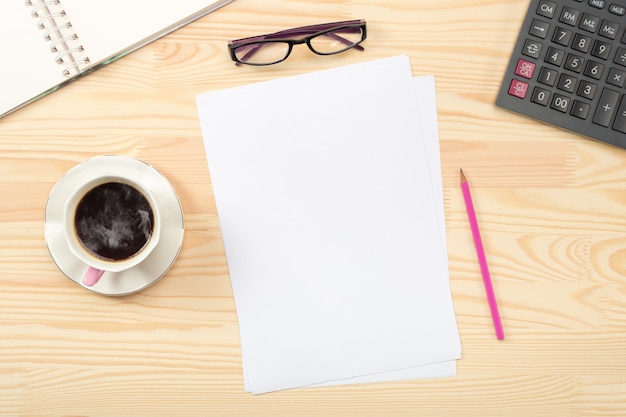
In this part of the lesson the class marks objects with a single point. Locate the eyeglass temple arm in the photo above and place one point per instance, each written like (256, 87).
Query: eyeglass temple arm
(307, 30)
(344, 41)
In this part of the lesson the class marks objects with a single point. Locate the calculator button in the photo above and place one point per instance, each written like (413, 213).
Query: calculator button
(616, 77)
(620, 57)
(562, 36)
(525, 68)
(540, 96)
(598, 4)
(580, 109)
(608, 29)
(569, 16)
(587, 89)
(620, 119)
(601, 49)
(581, 43)
(555, 56)
(589, 23)
(539, 28)
(546, 8)
(574, 63)
(594, 70)
(567, 83)
(617, 9)
(547, 76)
(532, 48)
(560, 103)
(518, 88)
(606, 107)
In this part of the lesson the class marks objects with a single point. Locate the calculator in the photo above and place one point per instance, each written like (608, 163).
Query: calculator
(568, 68)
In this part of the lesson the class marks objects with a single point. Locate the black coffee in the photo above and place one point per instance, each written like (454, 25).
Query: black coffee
(114, 221)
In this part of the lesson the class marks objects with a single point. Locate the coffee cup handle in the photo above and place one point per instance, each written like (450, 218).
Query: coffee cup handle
(92, 276)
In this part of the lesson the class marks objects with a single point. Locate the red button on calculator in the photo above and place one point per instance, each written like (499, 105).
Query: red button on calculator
(518, 88)
(525, 69)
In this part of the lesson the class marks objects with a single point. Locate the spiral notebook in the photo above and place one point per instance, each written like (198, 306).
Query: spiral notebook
(46, 44)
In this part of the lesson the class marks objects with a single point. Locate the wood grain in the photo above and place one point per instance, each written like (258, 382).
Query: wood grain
(551, 207)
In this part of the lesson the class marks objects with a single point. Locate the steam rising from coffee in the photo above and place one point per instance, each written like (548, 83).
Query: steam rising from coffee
(114, 221)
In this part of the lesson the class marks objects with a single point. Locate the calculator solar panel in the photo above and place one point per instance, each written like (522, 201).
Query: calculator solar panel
(568, 68)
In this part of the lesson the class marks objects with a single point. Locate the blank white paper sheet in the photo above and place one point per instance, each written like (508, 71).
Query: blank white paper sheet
(328, 191)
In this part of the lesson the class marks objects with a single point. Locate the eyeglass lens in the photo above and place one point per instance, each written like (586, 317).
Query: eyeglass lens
(336, 41)
(273, 51)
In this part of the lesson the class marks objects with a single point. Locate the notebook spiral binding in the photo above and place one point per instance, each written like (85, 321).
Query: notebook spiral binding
(64, 42)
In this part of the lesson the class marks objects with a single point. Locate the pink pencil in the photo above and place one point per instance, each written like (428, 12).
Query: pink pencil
(482, 260)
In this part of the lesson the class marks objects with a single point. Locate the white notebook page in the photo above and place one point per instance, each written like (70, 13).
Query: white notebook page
(106, 30)
(110, 26)
(27, 66)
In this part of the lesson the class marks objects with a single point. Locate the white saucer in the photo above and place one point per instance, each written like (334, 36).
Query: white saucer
(172, 230)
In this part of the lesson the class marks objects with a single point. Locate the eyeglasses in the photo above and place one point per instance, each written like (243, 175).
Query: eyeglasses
(323, 39)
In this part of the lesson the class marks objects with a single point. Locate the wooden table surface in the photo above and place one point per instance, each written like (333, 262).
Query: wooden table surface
(552, 207)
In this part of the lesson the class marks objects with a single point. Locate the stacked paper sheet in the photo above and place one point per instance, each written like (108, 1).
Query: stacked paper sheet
(328, 190)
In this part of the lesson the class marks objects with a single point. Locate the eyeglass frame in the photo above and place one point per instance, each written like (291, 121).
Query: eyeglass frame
(312, 31)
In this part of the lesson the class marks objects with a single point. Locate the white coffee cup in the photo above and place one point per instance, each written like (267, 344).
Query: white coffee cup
(111, 224)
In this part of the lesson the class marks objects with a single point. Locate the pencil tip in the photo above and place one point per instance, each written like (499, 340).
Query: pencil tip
(463, 179)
